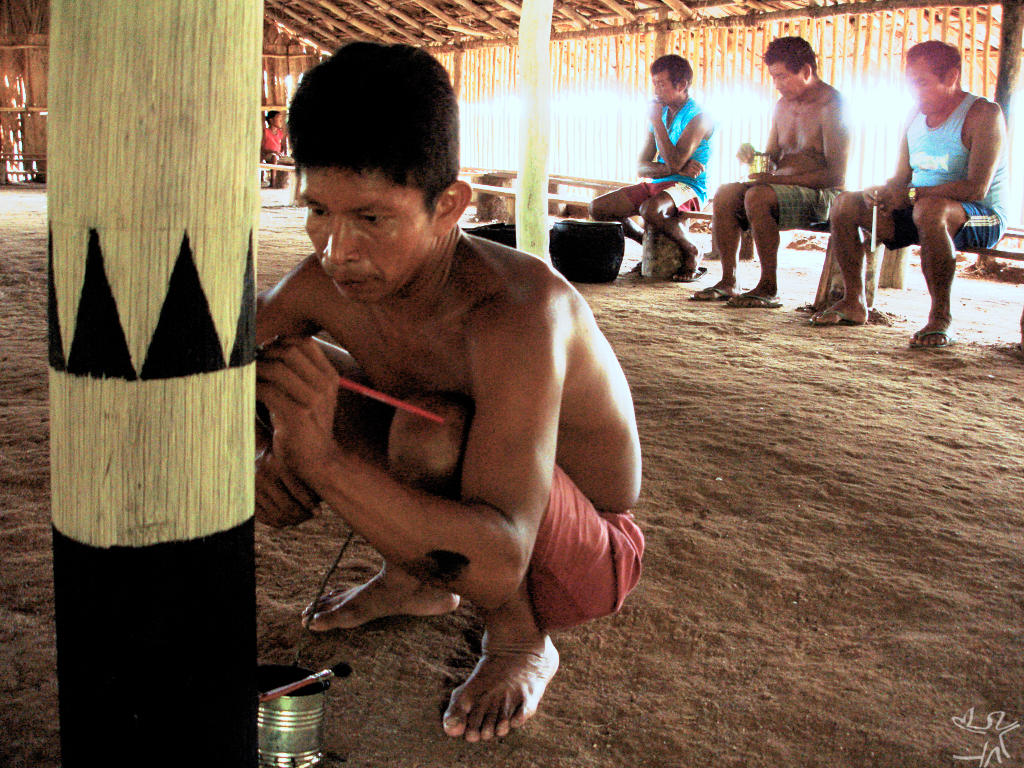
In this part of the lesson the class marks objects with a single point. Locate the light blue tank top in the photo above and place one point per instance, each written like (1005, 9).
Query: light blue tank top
(702, 154)
(938, 155)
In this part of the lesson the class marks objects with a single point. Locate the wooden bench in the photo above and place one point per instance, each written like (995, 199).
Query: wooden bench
(885, 268)
(563, 203)
(23, 159)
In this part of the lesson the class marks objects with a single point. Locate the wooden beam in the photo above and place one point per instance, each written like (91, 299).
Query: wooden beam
(318, 13)
(487, 18)
(619, 9)
(680, 8)
(407, 19)
(372, 13)
(1010, 40)
(451, 23)
(370, 32)
(299, 31)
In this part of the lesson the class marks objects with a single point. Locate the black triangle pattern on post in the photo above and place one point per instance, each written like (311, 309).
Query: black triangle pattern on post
(243, 351)
(185, 341)
(98, 348)
(57, 361)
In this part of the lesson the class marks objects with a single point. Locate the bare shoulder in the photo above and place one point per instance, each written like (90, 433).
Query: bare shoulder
(830, 102)
(506, 289)
(984, 113)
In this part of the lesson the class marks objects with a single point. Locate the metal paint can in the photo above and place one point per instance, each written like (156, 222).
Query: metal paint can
(290, 729)
(759, 163)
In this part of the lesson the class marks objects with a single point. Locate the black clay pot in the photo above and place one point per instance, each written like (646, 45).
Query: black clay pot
(587, 251)
(499, 233)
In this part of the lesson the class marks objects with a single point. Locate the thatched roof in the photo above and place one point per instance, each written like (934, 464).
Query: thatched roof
(466, 23)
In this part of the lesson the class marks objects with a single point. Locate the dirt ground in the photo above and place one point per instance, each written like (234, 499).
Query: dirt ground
(834, 568)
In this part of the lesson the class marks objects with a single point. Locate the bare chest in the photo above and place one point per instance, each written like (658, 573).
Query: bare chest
(405, 358)
(800, 130)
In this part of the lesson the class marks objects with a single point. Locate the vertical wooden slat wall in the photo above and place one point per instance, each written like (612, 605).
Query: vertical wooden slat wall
(23, 83)
(600, 87)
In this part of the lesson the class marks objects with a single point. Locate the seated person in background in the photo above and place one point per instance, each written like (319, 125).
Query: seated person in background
(808, 145)
(949, 192)
(273, 147)
(519, 501)
(275, 140)
(674, 158)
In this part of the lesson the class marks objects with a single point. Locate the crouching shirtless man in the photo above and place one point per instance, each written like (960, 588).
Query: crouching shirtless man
(519, 501)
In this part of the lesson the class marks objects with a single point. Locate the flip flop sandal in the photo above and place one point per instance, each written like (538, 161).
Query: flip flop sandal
(681, 276)
(712, 293)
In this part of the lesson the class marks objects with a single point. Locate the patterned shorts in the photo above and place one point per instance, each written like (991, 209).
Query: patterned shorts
(802, 206)
(983, 228)
(683, 195)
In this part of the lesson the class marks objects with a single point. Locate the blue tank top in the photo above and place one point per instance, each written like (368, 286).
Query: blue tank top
(702, 154)
(938, 155)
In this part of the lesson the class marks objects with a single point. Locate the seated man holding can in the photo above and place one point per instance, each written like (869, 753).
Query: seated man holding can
(949, 192)
(808, 143)
(520, 500)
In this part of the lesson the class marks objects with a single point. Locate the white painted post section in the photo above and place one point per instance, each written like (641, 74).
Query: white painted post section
(535, 127)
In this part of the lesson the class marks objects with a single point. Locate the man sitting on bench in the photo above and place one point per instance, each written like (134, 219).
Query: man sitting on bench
(949, 192)
(808, 143)
(674, 158)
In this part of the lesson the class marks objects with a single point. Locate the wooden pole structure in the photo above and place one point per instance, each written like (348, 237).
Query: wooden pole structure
(535, 127)
(154, 111)
(1010, 40)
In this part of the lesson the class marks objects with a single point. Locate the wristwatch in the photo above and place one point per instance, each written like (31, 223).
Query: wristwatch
(912, 194)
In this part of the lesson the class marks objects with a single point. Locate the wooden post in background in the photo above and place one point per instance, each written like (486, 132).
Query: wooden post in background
(1009, 53)
(154, 112)
(535, 127)
(458, 60)
(661, 35)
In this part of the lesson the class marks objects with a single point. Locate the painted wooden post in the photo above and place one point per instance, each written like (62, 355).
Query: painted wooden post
(154, 117)
(535, 127)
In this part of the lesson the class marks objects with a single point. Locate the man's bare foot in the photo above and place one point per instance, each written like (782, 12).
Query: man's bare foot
(390, 593)
(935, 335)
(720, 291)
(755, 300)
(503, 691)
(841, 313)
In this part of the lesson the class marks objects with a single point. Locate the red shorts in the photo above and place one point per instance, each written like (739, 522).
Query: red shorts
(585, 562)
(682, 194)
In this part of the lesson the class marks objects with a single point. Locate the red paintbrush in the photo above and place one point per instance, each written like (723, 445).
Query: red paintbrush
(362, 389)
(338, 670)
(366, 391)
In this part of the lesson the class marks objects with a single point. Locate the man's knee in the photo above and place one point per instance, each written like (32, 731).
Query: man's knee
(846, 209)
(759, 203)
(427, 454)
(938, 213)
(656, 211)
(729, 198)
(603, 207)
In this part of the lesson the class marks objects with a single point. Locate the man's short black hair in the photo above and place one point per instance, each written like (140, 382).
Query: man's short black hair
(940, 57)
(384, 108)
(793, 52)
(678, 69)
